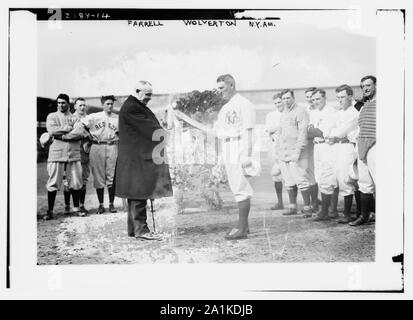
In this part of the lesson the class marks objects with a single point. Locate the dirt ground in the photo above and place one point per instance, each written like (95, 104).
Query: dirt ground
(197, 234)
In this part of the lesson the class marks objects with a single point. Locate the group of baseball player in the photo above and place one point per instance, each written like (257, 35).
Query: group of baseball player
(81, 144)
(327, 149)
(315, 149)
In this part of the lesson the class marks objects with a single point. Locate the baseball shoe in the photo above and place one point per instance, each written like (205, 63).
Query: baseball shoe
(315, 207)
(344, 219)
(112, 208)
(321, 217)
(307, 212)
(277, 206)
(236, 234)
(333, 214)
(84, 210)
(67, 210)
(48, 216)
(290, 212)
(372, 217)
(100, 210)
(78, 212)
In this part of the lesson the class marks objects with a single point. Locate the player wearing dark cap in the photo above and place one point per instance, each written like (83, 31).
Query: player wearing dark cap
(64, 155)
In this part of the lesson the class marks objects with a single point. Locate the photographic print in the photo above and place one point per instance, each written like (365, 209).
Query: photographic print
(209, 139)
(302, 202)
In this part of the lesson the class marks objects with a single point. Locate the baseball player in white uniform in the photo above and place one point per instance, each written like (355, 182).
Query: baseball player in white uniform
(103, 127)
(272, 126)
(342, 137)
(234, 127)
(320, 125)
(312, 111)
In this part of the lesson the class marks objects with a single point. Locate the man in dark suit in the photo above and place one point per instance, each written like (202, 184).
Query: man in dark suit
(141, 169)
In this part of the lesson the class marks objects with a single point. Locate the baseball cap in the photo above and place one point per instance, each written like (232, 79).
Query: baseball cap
(64, 97)
(45, 139)
(253, 169)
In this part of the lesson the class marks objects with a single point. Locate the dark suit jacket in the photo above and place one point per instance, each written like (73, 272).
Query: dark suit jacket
(137, 175)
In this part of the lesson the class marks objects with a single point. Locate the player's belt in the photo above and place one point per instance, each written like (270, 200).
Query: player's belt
(105, 142)
(232, 139)
(343, 140)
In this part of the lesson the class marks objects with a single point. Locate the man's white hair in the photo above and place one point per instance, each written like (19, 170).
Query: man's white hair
(143, 85)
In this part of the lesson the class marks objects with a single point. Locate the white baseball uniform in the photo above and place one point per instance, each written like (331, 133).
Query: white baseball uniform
(324, 168)
(104, 150)
(367, 172)
(312, 112)
(272, 126)
(346, 126)
(234, 118)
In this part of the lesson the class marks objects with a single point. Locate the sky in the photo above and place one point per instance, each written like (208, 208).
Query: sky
(93, 58)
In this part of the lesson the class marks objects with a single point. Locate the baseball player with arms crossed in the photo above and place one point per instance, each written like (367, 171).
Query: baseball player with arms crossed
(80, 113)
(342, 137)
(272, 125)
(103, 127)
(234, 127)
(64, 155)
(292, 152)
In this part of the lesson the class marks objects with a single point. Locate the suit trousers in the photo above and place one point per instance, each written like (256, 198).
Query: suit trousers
(137, 224)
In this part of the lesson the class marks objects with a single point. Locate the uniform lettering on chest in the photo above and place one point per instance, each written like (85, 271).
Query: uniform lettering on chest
(232, 117)
(102, 124)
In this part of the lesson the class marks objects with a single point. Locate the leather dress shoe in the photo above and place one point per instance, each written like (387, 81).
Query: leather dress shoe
(236, 234)
(149, 236)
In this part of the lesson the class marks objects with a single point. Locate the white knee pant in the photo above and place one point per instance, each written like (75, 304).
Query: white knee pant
(295, 174)
(276, 172)
(238, 183)
(56, 172)
(345, 156)
(324, 167)
(367, 172)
